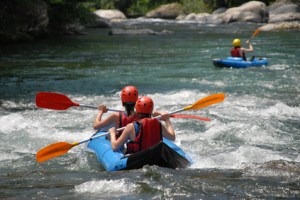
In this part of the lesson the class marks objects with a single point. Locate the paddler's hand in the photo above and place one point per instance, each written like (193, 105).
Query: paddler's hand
(102, 108)
(164, 116)
(155, 113)
(248, 42)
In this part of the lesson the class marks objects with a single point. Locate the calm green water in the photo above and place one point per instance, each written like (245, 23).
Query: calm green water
(250, 149)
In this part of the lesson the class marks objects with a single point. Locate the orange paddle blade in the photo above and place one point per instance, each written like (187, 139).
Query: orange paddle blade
(207, 101)
(53, 150)
(256, 32)
(266, 27)
(189, 117)
(55, 101)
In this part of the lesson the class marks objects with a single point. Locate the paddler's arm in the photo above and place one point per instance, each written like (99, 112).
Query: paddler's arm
(250, 47)
(168, 130)
(99, 123)
(128, 133)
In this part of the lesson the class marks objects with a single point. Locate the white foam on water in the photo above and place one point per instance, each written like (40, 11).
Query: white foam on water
(281, 110)
(246, 129)
(217, 83)
(177, 99)
(107, 188)
(26, 132)
(279, 67)
(241, 130)
(9, 156)
(237, 158)
(12, 122)
(113, 101)
(277, 54)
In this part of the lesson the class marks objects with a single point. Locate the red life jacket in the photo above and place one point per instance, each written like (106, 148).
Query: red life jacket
(124, 120)
(235, 52)
(149, 134)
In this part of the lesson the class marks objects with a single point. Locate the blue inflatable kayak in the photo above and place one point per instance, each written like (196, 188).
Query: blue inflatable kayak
(236, 62)
(164, 154)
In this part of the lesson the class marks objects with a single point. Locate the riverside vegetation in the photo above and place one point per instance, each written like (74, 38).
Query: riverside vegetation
(33, 19)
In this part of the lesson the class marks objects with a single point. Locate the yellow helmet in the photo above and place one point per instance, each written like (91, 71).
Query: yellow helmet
(236, 42)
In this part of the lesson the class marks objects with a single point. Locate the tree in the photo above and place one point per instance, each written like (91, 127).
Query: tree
(64, 12)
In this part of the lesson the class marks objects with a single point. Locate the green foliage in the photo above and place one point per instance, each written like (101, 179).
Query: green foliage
(63, 12)
(230, 3)
(195, 6)
(135, 8)
(139, 8)
(103, 4)
(129, 7)
(55, 1)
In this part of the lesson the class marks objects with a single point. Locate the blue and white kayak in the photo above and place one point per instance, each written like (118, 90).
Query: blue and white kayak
(164, 154)
(236, 62)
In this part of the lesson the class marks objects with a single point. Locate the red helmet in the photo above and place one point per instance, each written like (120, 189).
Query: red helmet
(144, 105)
(129, 94)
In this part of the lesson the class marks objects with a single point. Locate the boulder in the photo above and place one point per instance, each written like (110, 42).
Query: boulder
(204, 18)
(167, 11)
(75, 29)
(119, 31)
(196, 17)
(287, 25)
(288, 12)
(98, 22)
(181, 17)
(279, 3)
(219, 11)
(253, 11)
(110, 14)
(25, 22)
(280, 26)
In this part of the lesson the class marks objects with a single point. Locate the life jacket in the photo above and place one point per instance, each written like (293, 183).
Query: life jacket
(124, 120)
(235, 52)
(149, 133)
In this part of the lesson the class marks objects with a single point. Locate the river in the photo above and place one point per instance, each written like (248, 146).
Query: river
(249, 149)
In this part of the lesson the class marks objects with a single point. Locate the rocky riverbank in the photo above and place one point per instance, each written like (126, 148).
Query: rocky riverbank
(33, 23)
(282, 14)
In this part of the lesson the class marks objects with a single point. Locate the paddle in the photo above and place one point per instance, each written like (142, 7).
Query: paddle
(254, 34)
(57, 101)
(190, 117)
(60, 148)
(266, 27)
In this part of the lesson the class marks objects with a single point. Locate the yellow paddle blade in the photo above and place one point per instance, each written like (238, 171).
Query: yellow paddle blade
(207, 101)
(54, 150)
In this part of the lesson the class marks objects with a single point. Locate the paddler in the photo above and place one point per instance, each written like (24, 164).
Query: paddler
(238, 50)
(129, 96)
(145, 132)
